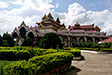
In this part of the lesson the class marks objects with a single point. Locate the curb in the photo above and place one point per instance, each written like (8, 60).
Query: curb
(95, 52)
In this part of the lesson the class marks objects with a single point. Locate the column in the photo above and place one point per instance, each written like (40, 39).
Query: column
(60, 38)
(93, 39)
(77, 40)
(85, 38)
(68, 43)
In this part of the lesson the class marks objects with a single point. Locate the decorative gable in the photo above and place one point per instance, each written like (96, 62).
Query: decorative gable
(45, 18)
(50, 16)
(62, 28)
(97, 28)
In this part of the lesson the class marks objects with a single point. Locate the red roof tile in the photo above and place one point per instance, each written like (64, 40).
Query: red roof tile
(83, 26)
(107, 40)
(87, 26)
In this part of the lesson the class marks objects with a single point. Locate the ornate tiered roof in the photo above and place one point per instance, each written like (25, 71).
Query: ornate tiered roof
(77, 26)
(49, 22)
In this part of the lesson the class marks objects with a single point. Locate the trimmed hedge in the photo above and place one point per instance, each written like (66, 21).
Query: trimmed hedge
(50, 51)
(75, 52)
(8, 54)
(39, 64)
(14, 55)
(19, 68)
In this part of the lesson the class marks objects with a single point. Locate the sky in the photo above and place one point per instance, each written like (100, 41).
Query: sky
(85, 12)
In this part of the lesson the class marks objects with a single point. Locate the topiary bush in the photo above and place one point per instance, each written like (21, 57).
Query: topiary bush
(50, 40)
(27, 42)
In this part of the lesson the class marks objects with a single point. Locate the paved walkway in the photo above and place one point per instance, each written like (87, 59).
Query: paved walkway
(94, 64)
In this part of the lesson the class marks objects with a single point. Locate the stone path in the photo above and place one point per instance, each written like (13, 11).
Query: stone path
(94, 64)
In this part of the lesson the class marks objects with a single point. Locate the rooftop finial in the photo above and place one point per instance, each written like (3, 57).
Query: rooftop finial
(77, 24)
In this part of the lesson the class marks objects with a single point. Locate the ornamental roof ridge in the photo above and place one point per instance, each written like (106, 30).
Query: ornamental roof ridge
(57, 20)
(50, 16)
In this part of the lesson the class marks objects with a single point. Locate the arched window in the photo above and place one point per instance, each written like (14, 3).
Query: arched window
(30, 35)
(15, 35)
(22, 32)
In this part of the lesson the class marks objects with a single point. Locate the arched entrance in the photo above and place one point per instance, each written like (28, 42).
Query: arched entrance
(15, 36)
(22, 32)
(30, 35)
(81, 40)
(65, 39)
(73, 41)
(97, 40)
(89, 39)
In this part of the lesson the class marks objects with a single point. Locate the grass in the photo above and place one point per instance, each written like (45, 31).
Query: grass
(4, 63)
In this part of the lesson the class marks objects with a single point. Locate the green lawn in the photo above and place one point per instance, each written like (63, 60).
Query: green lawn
(3, 63)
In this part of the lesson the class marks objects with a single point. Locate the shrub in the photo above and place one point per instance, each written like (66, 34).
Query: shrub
(7, 54)
(75, 52)
(14, 55)
(107, 44)
(39, 64)
(36, 51)
(50, 51)
(88, 44)
(23, 55)
(94, 45)
(19, 68)
(27, 42)
(50, 61)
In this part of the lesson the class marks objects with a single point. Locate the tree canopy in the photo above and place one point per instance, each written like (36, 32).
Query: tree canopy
(27, 42)
(1, 41)
(50, 40)
(9, 39)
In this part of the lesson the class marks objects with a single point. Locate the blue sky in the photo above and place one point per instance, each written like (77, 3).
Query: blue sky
(86, 12)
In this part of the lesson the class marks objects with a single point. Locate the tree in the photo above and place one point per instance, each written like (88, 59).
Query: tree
(1, 41)
(27, 42)
(9, 39)
(50, 40)
(5, 43)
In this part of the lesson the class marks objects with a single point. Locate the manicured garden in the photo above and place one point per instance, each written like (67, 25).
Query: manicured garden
(50, 57)
(105, 47)
(35, 61)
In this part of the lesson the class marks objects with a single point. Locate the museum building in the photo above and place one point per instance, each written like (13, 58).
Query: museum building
(74, 34)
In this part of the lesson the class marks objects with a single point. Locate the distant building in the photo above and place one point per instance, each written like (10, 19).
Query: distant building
(105, 40)
(72, 35)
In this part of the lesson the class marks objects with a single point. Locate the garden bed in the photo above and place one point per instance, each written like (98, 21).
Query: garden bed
(45, 57)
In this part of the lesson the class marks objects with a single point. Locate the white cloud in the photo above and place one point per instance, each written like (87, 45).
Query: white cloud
(77, 13)
(57, 5)
(3, 4)
(17, 2)
(31, 11)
